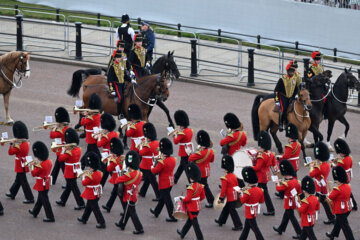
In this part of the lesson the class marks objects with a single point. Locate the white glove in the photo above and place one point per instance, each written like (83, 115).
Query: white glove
(113, 93)
(277, 104)
(147, 65)
(132, 74)
(133, 81)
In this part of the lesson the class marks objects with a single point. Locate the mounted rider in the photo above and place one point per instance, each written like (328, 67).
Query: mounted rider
(297, 74)
(137, 57)
(126, 33)
(285, 91)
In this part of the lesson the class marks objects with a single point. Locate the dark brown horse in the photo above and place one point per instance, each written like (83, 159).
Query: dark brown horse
(11, 63)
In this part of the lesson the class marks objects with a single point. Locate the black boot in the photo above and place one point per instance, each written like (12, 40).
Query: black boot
(120, 110)
(281, 125)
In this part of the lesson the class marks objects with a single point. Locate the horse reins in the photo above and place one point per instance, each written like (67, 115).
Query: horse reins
(14, 83)
(158, 81)
(302, 116)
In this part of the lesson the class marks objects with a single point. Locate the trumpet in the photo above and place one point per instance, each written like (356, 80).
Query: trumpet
(92, 111)
(45, 126)
(54, 146)
(86, 173)
(14, 140)
(96, 135)
(128, 124)
(33, 163)
(335, 161)
(176, 132)
(109, 158)
(316, 164)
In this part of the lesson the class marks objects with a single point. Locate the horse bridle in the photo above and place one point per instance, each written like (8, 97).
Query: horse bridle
(159, 80)
(13, 83)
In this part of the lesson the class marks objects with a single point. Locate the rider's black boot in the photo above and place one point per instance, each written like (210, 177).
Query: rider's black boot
(281, 125)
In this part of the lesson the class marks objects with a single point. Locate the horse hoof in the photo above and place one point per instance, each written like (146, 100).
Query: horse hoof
(126, 147)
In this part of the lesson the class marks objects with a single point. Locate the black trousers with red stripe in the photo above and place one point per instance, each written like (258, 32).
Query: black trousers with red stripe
(307, 232)
(56, 169)
(229, 208)
(342, 223)
(251, 224)
(43, 201)
(196, 226)
(21, 180)
(93, 206)
(71, 186)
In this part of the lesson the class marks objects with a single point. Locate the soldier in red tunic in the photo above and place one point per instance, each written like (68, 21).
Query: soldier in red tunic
(345, 161)
(263, 158)
(203, 157)
(228, 182)
(320, 172)
(340, 196)
(20, 149)
(182, 137)
(252, 197)
(63, 119)
(41, 172)
(165, 166)
(131, 181)
(235, 138)
(292, 189)
(115, 167)
(93, 190)
(308, 209)
(149, 152)
(71, 157)
(194, 195)
(108, 125)
(135, 129)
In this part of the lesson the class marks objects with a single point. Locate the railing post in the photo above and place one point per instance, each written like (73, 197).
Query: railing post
(139, 24)
(16, 9)
(19, 33)
(78, 41)
(98, 19)
(179, 28)
(219, 34)
(57, 15)
(297, 48)
(335, 53)
(258, 41)
(251, 82)
(358, 104)
(193, 58)
(306, 68)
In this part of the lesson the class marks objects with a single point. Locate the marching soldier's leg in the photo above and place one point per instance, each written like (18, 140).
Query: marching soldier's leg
(255, 228)
(310, 233)
(336, 230)
(85, 217)
(235, 217)
(169, 205)
(112, 198)
(135, 219)
(223, 215)
(98, 215)
(245, 231)
(344, 224)
(66, 193)
(196, 226)
(294, 222)
(154, 184)
(160, 204)
(284, 222)
(105, 174)
(179, 171)
(185, 228)
(146, 183)
(55, 171)
(75, 189)
(26, 188)
(15, 187)
(268, 202)
(354, 202)
(208, 193)
(330, 216)
(47, 206)
(1, 209)
(304, 234)
(37, 207)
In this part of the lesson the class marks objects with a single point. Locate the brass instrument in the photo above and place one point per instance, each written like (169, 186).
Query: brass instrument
(142, 143)
(91, 111)
(34, 163)
(335, 161)
(55, 147)
(13, 140)
(109, 158)
(96, 135)
(45, 126)
(316, 164)
(128, 124)
(86, 173)
(176, 131)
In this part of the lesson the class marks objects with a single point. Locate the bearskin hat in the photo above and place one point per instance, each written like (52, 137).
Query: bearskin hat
(321, 151)
(231, 121)
(132, 160)
(181, 118)
(308, 185)
(166, 147)
(134, 112)
(108, 122)
(264, 140)
(316, 55)
(71, 136)
(61, 115)
(20, 130)
(249, 175)
(286, 168)
(292, 131)
(149, 131)
(193, 171)
(341, 146)
(339, 174)
(40, 151)
(116, 146)
(227, 163)
(95, 102)
(125, 18)
(203, 138)
(92, 160)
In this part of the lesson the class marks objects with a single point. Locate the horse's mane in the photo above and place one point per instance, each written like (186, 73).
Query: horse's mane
(9, 55)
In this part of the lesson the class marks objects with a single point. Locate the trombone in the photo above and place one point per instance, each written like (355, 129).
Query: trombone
(33, 163)
(86, 173)
(13, 140)
(77, 109)
(175, 132)
(55, 147)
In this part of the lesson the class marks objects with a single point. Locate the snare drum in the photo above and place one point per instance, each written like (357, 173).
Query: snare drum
(180, 210)
(242, 159)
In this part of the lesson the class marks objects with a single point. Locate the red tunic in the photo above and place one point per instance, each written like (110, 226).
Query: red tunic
(42, 175)
(72, 162)
(228, 183)
(287, 186)
(147, 153)
(183, 138)
(270, 163)
(59, 133)
(20, 152)
(318, 173)
(251, 199)
(165, 169)
(235, 140)
(90, 122)
(112, 166)
(135, 132)
(346, 163)
(292, 153)
(105, 141)
(340, 196)
(131, 181)
(203, 159)
(308, 209)
(194, 195)
(92, 186)
(261, 168)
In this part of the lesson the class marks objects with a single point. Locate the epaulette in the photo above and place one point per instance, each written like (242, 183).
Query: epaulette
(340, 161)
(68, 152)
(90, 117)
(127, 174)
(260, 155)
(132, 126)
(223, 177)
(230, 135)
(198, 153)
(17, 146)
(304, 201)
(336, 188)
(289, 146)
(146, 145)
(161, 161)
(247, 192)
(190, 187)
(285, 183)
(262, 189)
(38, 165)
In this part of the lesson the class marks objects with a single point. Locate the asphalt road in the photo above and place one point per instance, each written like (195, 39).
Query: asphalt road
(46, 89)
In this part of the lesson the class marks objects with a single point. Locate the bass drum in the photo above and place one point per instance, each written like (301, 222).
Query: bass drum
(242, 159)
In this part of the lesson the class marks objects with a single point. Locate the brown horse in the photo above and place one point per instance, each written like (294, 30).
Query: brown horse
(9, 64)
(264, 118)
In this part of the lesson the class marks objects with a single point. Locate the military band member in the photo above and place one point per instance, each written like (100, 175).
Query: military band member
(126, 33)
(252, 197)
(41, 171)
(165, 168)
(103, 140)
(20, 149)
(135, 128)
(263, 158)
(137, 57)
(115, 167)
(292, 189)
(285, 91)
(182, 137)
(308, 209)
(345, 161)
(149, 152)
(340, 196)
(93, 190)
(131, 180)
(194, 195)
(319, 171)
(63, 119)
(235, 138)
(71, 156)
(228, 182)
(203, 157)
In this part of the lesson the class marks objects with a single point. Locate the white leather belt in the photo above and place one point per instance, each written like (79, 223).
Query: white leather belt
(150, 156)
(88, 130)
(251, 205)
(93, 186)
(195, 199)
(183, 144)
(72, 164)
(106, 150)
(293, 158)
(137, 138)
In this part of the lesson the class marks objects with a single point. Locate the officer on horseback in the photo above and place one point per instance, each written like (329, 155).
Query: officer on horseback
(137, 57)
(316, 68)
(148, 42)
(285, 90)
(297, 74)
(126, 33)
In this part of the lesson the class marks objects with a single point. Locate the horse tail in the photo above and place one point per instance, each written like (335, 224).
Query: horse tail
(76, 83)
(255, 116)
